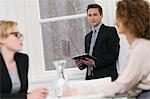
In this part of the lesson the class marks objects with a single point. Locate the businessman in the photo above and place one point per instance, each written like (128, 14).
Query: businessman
(103, 44)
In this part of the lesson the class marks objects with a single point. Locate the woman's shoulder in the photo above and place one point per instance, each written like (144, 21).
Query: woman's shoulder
(22, 60)
(146, 44)
(21, 55)
(142, 44)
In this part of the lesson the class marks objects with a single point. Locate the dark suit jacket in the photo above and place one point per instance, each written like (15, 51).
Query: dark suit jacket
(5, 81)
(106, 51)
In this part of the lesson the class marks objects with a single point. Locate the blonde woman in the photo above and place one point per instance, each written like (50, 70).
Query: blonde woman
(14, 65)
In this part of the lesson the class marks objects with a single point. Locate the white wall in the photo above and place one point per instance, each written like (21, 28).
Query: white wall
(108, 7)
(25, 12)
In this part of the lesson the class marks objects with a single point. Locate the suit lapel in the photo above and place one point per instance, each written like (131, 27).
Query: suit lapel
(6, 78)
(99, 35)
(19, 64)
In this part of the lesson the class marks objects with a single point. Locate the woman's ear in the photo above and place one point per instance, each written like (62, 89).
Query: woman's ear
(2, 40)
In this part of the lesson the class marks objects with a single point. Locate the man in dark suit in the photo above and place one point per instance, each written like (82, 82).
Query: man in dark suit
(102, 43)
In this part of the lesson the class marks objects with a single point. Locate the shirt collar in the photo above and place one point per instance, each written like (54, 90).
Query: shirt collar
(97, 27)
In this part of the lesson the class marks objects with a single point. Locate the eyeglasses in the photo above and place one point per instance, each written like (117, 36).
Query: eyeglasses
(17, 34)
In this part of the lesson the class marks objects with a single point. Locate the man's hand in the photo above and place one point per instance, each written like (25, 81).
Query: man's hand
(88, 61)
(78, 63)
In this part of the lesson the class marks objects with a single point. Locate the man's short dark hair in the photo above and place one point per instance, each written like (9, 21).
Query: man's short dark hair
(95, 6)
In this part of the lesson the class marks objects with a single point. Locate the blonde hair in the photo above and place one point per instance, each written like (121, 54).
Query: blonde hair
(6, 27)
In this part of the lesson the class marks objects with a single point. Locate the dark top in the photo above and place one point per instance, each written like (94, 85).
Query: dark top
(5, 81)
(106, 52)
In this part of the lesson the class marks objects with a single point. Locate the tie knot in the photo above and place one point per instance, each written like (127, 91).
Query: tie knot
(94, 31)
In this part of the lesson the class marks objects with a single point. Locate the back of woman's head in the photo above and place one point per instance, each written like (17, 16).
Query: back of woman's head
(135, 15)
(6, 27)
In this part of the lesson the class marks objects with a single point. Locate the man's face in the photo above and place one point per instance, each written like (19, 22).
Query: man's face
(94, 16)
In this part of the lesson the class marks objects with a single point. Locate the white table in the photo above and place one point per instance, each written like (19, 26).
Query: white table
(79, 83)
(94, 96)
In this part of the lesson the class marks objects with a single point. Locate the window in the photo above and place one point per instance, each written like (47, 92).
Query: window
(61, 25)
(64, 26)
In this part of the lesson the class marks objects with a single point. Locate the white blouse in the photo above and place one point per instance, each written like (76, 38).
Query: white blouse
(16, 84)
(135, 76)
